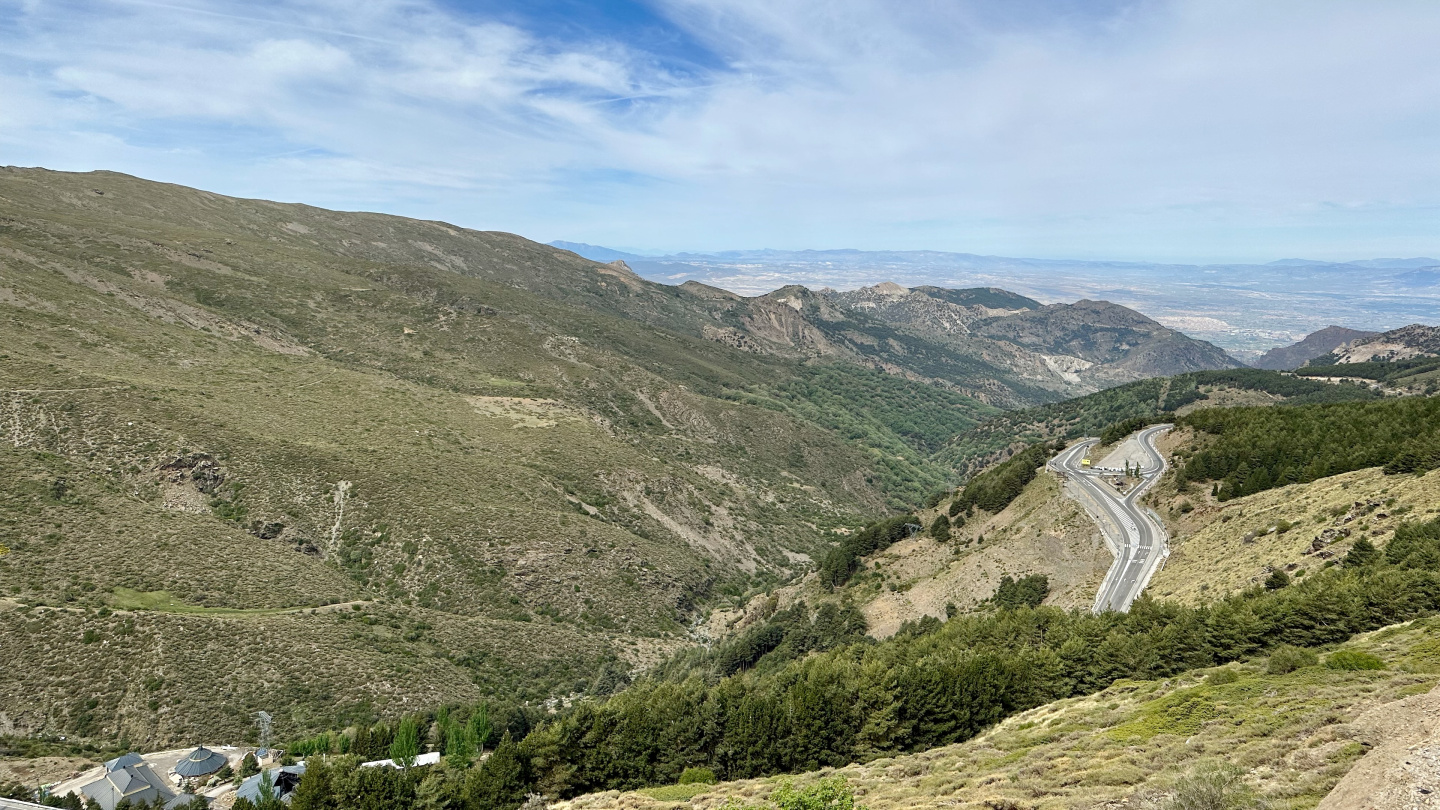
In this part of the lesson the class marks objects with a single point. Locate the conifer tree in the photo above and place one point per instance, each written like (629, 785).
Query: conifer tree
(940, 528)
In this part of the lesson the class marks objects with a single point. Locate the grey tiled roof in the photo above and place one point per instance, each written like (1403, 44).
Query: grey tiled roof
(200, 762)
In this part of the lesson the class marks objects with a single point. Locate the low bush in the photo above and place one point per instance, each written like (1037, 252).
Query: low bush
(1213, 786)
(1221, 677)
(1353, 660)
(1286, 659)
(698, 776)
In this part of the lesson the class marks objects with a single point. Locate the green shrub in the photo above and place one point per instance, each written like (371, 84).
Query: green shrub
(1353, 660)
(1213, 786)
(827, 794)
(1221, 677)
(1362, 553)
(940, 528)
(698, 776)
(1287, 659)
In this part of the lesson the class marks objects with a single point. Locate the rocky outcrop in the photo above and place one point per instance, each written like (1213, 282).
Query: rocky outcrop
(1415, 340)
(1315, 344)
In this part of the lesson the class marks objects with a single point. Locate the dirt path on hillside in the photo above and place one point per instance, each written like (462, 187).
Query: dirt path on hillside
(1402, 770)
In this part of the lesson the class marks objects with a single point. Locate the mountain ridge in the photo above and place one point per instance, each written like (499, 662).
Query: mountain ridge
(1316, 344)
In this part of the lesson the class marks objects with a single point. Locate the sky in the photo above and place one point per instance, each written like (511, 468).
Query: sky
(1155, 130)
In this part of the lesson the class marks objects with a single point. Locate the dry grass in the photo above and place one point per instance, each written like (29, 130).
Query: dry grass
(1219, 548)
(464, 429)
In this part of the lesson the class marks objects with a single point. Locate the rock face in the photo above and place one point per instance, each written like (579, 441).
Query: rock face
(997, 346)
(1105, 344)
(1415, 340)
(1315, 344)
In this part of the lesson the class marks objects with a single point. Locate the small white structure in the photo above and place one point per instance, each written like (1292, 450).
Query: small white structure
(424, 759)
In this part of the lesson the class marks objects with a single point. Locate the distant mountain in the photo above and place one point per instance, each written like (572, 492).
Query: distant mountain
(1415, 340)
(1316, 344)
(999, 347)
(1397, 264)
(1243, 308)
(595, 253)
(1377, 264)
(1419, 277)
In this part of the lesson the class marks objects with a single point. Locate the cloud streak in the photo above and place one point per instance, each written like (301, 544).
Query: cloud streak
(1180, 130)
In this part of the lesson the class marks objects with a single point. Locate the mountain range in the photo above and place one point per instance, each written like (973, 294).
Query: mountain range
(512, 469)
(1244, 308)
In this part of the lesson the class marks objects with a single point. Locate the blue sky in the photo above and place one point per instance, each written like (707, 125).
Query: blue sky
(1179, 130)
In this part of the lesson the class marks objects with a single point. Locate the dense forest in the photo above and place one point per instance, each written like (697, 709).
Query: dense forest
(904, 422)
(844, 560)
(1255, 449)
(1151, 399)
(938, 684)
(994, 489)
(1382, 371)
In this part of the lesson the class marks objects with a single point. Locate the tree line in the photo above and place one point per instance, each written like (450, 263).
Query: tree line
(933, 685)
(1255, 449)
(994, 489)
(841, 562)
(1153, 399)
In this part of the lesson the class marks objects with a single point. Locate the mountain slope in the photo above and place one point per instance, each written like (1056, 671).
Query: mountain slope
(218, 407)
(1294, 736)
(1415, 340)
(1315, 344)
(228, 410)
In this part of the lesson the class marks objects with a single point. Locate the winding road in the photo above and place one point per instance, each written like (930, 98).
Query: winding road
(1136, 537)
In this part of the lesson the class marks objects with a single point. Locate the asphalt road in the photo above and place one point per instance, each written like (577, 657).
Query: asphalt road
(1142, 540)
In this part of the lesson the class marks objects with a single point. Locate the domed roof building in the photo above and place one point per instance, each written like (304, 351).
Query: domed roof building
(200, 762)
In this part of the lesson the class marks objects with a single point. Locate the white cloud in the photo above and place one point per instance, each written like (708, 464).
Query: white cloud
(1169, 130)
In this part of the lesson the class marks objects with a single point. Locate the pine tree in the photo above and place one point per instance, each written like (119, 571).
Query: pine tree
(1361, 554)
(248, 766)
(501, 781)
(940, 528)
(315, 791)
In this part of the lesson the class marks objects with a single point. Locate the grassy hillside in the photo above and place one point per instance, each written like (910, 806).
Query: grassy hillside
(1220, 548)
(236, 405)
(1292, 736)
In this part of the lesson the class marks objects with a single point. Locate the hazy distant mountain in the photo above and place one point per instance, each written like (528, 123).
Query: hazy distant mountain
(1243, 308)
(1381, 264)
(595, 253)
(1316, 344)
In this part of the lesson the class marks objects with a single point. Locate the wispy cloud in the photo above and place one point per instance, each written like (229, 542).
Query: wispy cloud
(1182, 130)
